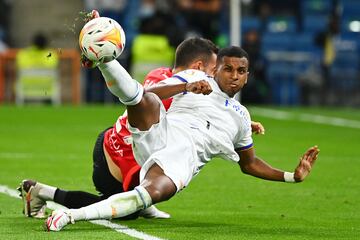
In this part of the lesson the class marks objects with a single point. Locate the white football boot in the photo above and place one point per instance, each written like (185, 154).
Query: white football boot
(153, 212)
(58, 220)
(33, 204)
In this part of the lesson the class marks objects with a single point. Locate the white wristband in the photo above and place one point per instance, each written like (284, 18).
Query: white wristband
(289, 177)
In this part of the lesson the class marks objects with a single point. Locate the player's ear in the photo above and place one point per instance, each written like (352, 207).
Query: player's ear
(247, 77)
(198, 65)
(215, 71)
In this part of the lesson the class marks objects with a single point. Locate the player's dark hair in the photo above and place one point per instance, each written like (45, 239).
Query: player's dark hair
(232, 51)
(194, 49)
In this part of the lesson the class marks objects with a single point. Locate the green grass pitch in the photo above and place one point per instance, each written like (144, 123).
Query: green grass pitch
(54, 145)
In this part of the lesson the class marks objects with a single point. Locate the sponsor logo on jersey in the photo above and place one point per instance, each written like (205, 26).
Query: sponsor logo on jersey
(236, 106)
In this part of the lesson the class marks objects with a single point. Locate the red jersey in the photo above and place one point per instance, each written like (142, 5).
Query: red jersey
(117, 140)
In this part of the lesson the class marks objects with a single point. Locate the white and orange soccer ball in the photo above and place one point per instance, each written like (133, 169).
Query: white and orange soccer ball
(102, 39)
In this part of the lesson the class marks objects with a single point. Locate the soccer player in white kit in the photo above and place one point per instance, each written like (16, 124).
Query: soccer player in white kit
(203, 121)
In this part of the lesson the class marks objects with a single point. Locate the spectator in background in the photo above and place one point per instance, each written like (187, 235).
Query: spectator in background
(37, 73)
(269, 10)
(151, 47)
(202, 17)
(5, 10)
(266, 8)
(109, 8)
(3, 45)
(327, 42)
(154, 45)
(256, 90)
(163, 13)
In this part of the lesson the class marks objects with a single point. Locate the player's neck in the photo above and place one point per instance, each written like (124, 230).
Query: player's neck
(182, 68)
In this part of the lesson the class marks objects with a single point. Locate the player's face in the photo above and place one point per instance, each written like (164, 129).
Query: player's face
(210, 68)
(232, 74)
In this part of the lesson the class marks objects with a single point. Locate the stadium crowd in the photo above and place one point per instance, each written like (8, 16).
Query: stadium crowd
(303, 52)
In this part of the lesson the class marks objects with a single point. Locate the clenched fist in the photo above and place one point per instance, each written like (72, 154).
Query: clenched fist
(199, 87)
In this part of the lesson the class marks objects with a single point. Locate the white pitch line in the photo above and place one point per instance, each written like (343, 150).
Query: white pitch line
(305, 117)
(124, 229)
(116, 227)
(15, 155)
(8, 191)
(19, 155)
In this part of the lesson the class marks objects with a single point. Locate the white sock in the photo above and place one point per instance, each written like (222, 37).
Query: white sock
(121, 84)
(118, 205)
(46, 192)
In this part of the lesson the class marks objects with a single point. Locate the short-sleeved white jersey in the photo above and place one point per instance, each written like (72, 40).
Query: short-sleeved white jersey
(222, 124)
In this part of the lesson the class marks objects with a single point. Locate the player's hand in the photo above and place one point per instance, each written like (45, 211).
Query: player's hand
(199, 87)
(257, 128)
(306, 163)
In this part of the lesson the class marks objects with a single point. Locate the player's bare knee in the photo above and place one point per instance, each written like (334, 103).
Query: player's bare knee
(157, 196)
(159, 186)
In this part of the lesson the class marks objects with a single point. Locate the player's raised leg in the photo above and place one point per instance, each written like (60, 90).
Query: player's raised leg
(143, 108)
(101, 41)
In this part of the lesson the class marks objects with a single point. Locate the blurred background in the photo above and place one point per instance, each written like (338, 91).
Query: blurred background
(302, 52)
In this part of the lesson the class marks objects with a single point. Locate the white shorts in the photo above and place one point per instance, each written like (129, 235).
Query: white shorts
(170, 146)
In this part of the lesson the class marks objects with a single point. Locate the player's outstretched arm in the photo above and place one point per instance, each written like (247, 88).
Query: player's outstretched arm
(252, 165)
(165, 91)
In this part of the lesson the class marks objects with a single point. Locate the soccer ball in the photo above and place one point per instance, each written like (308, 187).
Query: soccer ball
(102, 39)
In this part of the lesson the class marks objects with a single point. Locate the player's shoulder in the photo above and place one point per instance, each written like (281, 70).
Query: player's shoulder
(244, 109)
(157, 75)
(245, 114)
(191, 75)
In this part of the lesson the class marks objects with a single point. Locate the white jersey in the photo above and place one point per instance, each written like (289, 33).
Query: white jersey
(223, 123)
(195, 129)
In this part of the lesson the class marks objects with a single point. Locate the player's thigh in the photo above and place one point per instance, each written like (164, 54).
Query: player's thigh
(147, 142)
(177, 159)
(159, 186)
(146, 113)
